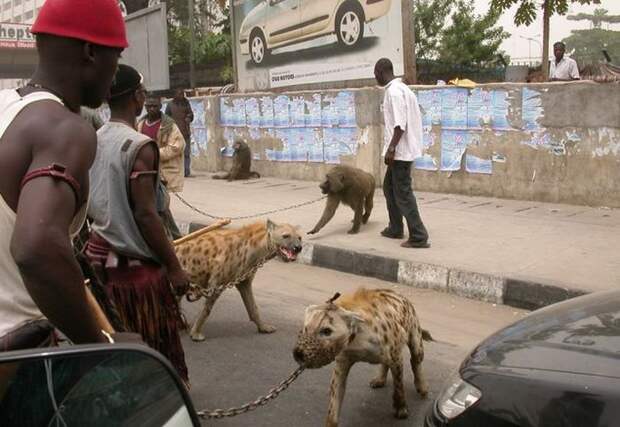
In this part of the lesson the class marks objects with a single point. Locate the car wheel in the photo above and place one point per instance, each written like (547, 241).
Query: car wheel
(258, 48)
(350, 25)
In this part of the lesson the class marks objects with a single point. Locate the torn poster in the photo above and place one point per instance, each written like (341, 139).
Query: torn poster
(475, 164)
(454, 108)
(531, 109)
(453, 145)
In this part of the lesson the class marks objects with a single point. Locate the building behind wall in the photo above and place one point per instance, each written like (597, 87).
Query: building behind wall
(18, 12)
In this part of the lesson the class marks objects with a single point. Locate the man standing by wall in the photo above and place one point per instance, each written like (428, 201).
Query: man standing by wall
(128, 246)
(181, 111)
(163, 130)
(46, 150)
(402, 145)
(563, 68)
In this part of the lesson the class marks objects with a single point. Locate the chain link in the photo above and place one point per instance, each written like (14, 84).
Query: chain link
(236, 218)
(261, 401)
(197, 292)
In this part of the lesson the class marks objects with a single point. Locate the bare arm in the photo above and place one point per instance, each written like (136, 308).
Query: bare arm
(142, 195)
(41, 245)
(330, 209)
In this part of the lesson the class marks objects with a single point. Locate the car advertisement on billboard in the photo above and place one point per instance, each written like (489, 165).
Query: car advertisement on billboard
(282, 43)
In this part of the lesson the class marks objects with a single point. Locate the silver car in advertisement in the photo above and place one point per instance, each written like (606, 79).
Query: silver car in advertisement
(277, 23)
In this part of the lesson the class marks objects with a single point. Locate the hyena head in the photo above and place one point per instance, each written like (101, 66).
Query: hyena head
(286, 239)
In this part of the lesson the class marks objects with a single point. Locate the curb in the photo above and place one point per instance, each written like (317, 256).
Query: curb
(514, 292)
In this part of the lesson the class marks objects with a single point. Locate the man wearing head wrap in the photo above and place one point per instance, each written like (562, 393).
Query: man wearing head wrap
(46, 150)
(128, 246)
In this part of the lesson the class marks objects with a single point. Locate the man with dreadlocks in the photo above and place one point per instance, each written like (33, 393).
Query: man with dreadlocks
(128, 246)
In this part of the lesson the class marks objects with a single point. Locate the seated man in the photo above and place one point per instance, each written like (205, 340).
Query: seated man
(128, 246)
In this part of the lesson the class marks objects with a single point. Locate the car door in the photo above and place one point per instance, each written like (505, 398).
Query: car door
(282, 22)
(316, 15)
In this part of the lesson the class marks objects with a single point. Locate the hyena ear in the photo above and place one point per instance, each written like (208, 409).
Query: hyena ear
(270, 226)
(353, 319)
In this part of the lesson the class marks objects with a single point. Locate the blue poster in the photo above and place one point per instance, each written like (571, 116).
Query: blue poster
(226, 112)
(453, 145)
(454, 108)
(475, 164)
(315, 152)
(479, 109)
(430, 104)
(426, 162)
(266, 112)
(238, 112)
(329, 113)
(281, 114)
(252, 111)
(345, 106)
(297, 109)
(531, 109)
(313, 118)
(501, 104)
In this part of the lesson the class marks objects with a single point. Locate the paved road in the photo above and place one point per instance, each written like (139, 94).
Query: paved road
(235, 364)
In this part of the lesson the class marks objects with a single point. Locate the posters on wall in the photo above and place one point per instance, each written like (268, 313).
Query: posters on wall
(313, 128)
(279, 43)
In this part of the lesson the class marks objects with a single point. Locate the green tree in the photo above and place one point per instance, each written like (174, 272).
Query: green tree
(430, 18)
(527, 11)
(471, 39)
(587, 45)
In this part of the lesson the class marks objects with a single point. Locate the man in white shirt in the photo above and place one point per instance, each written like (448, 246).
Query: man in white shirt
(563, 68)
(402, 145)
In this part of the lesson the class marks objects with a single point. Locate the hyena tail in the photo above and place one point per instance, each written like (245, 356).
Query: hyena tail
(426, 335)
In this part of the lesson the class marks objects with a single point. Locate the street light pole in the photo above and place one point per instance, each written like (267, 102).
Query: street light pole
(192, 71)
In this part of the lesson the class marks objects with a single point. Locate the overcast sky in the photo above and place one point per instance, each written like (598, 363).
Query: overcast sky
(517, 47)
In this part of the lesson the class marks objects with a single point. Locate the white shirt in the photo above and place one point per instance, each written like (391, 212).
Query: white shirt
(400, 108)
(566, 69)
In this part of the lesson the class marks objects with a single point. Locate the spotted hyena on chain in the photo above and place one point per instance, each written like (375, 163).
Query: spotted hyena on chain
(369, 326)
(221, 256)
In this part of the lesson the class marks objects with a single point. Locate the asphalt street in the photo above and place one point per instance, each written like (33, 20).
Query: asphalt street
(236, 364)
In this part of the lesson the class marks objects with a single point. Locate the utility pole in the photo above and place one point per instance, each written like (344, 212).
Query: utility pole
(409, 57)
(192, 70)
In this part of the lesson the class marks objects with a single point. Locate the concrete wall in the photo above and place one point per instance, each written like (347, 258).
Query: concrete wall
(556, 142)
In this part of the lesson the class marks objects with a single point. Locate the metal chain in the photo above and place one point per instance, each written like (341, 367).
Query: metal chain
(236, 218)
(208, 293)
(261, 401)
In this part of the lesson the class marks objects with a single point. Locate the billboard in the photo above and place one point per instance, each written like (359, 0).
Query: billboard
(16, 36)
(282, 43)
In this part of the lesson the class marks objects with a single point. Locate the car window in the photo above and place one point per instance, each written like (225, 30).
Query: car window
(120, 389)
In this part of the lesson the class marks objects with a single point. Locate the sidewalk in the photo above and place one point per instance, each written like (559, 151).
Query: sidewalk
(524, 254)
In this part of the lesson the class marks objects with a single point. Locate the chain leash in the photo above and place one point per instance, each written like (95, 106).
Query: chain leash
(258, 215)
(261, 401)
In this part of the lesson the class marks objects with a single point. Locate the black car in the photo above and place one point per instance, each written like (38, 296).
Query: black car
(559, 366)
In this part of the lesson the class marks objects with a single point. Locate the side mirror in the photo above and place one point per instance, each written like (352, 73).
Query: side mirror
(93, 385)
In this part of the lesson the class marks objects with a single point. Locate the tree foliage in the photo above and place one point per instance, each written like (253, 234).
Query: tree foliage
(471, 39)
(527, 10)
(586, 46)
(597, 18)
(430, 18)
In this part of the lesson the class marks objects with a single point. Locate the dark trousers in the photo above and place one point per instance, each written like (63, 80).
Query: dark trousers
(401, 202)
(187, 155)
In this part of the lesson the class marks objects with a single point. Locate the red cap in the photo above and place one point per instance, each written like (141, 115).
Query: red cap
(95, 21)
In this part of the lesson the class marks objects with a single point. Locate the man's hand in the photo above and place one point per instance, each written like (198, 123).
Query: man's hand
(179, 280)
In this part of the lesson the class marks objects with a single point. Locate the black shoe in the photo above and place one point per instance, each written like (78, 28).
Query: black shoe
(413, 244)
(390, 234)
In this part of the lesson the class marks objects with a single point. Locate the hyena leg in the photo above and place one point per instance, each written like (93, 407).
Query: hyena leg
(379, 381)
(416, 348)
(337, 388)
(196, 331)
(368, 203)
(398, 398)
(247, 295)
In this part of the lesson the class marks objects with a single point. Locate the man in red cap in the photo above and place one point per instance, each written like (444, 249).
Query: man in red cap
(46, 150)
